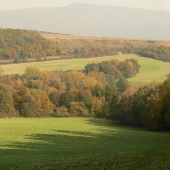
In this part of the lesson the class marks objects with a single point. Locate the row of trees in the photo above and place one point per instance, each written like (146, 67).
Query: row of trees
(159, 53)
(96, 51)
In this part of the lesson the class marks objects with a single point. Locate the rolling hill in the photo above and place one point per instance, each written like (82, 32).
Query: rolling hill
(91, 20)
(16, 45)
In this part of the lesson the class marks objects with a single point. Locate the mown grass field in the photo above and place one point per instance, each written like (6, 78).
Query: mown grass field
(151, 70)
(80, 143)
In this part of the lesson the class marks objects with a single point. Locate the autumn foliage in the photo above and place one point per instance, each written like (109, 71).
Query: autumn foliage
(21, 45)
(100, 90)
(18, 45)
(159, 53)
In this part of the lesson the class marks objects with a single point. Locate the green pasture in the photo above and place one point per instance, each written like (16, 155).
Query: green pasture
(151, 70)
(80, 143)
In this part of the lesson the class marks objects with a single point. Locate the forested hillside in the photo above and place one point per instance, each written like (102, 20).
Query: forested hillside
(21, 45)
(25, 46)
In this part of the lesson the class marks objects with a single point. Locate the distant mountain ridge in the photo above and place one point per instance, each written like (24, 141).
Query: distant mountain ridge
(92, 20)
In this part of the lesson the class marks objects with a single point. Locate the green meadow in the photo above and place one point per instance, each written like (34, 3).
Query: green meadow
(80, 143)
(151, 70)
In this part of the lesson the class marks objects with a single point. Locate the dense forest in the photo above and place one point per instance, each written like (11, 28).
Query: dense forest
(100, 90)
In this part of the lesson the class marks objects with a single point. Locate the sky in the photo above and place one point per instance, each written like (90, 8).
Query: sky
(142, 4)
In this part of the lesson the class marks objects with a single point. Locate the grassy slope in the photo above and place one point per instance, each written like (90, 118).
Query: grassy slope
(151, 70)
(63, 142)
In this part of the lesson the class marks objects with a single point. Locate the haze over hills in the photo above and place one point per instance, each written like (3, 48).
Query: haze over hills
(91, 20)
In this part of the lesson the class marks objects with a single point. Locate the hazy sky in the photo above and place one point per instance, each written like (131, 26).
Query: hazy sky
(145, 4)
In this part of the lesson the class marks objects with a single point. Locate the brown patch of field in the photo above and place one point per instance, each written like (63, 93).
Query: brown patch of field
(75, 37)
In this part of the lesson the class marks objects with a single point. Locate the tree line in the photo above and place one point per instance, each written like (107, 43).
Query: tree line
(159, 53)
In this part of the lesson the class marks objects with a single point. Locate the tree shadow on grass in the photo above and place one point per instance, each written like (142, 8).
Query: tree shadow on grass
(48, 147)
(65, 144)
(116, 124)
(59, 144)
